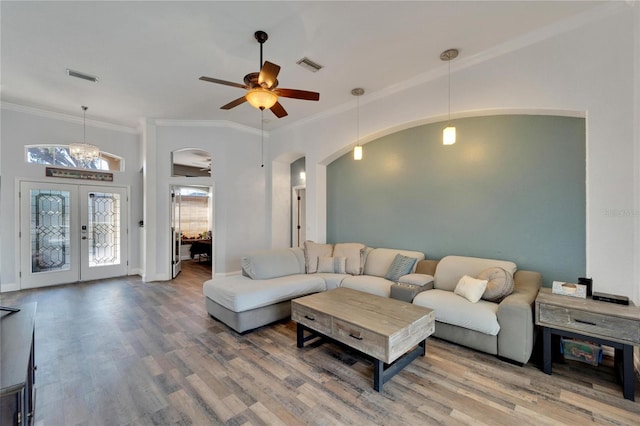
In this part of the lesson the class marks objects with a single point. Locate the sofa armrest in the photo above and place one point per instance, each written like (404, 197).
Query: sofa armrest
(515, 316)
(417, 280)
(427, 267)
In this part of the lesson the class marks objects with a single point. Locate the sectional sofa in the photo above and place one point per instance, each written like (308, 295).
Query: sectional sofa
(262, 293)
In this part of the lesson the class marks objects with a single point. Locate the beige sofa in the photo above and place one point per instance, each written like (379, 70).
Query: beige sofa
(270, 279)
(505, 329)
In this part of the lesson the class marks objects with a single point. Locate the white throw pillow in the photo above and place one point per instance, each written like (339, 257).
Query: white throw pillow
(471, 288)
(312, 251)
(332, 265)
(354, 252)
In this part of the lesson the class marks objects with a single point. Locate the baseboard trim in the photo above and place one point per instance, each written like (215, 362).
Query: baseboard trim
(7, 287)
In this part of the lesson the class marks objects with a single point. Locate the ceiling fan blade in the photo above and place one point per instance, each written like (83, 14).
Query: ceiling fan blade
(298, 94)
(268, 74)
(226, 83)
(234, 103)
(278, 110)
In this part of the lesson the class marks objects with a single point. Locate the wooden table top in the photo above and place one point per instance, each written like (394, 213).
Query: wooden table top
(595, 306)
(381, 315)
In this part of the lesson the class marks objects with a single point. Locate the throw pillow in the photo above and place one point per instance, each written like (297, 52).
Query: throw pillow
(332, 265)
(312, 251)
(499, 286)
(470, 288)
(401, 265)
(354, 252)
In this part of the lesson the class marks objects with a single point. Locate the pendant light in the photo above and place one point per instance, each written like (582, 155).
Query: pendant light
(84, 152)
(449, 132)
(357, 151)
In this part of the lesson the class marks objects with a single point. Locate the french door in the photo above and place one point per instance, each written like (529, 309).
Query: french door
(71, 233)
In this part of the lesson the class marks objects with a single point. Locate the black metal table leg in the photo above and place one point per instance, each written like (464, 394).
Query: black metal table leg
(546, 350)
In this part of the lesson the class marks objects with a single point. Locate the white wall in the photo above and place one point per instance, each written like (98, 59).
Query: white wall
(25, 126)
(239, 195)
(582, 67)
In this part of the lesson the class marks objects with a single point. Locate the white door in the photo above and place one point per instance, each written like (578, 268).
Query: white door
(176, 239)
(103, 232)
(71, 233)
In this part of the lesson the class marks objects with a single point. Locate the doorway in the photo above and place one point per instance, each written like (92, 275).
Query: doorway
(71, 233)
(191, 227)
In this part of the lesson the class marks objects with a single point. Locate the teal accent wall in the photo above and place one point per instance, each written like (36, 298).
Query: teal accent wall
(512, 187)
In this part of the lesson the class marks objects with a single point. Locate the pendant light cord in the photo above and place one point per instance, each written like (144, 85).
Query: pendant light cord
(449, 84)
(262, 136)
(358, 120)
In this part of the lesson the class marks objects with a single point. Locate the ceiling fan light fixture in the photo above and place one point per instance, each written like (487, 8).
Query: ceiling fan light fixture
(261, 98)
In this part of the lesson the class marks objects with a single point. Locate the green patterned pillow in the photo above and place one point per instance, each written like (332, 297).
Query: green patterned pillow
(401, 265)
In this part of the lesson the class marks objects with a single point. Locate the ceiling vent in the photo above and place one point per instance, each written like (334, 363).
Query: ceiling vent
(309, 64)
(78, 74)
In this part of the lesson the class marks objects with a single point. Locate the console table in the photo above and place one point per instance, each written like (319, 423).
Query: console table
(605, 323)
(17, 369)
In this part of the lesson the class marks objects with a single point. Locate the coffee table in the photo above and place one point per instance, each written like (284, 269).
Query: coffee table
(391, 331)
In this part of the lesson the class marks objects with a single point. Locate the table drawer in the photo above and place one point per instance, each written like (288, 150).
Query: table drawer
(598, 325)
(363, 340)
(313, 319)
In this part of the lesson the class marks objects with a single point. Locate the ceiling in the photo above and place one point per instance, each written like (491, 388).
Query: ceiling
(149, 55)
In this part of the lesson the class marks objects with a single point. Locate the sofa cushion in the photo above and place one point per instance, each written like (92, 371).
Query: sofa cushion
(379, 260)
(273, 263)
(416, 279)
(499, 284)
(354, 252)
(332, 280)
(312, 251)
(451, 268)
(335, 265)
(238, 293)
(369, 284)
(470, 288)
(455, 310)
(401, 265)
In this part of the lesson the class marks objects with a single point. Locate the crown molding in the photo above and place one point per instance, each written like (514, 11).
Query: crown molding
(67, 117)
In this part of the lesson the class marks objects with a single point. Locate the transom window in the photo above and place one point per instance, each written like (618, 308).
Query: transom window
(59, 156)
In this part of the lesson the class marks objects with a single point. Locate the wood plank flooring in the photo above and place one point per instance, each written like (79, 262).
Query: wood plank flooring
(124, 352)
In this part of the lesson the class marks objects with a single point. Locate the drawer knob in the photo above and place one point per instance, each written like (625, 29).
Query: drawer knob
(355, 335)
(310, 318)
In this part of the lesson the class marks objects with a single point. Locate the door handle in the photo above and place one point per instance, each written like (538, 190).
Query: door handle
(84, 238)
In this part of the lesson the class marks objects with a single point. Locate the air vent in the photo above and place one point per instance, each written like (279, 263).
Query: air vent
(81, 75)
(309, 64)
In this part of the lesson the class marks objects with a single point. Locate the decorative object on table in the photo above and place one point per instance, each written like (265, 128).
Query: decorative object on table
(581, 351)
(588, 282)
(569, 289)
(611, 298)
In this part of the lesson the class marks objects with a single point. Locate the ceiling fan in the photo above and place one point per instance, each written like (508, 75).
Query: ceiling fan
(262, 88)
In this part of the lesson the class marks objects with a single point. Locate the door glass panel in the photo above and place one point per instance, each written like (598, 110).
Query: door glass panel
(49, 236)
(104, 229)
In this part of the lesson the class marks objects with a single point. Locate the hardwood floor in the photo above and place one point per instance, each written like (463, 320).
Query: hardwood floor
(124, 352)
